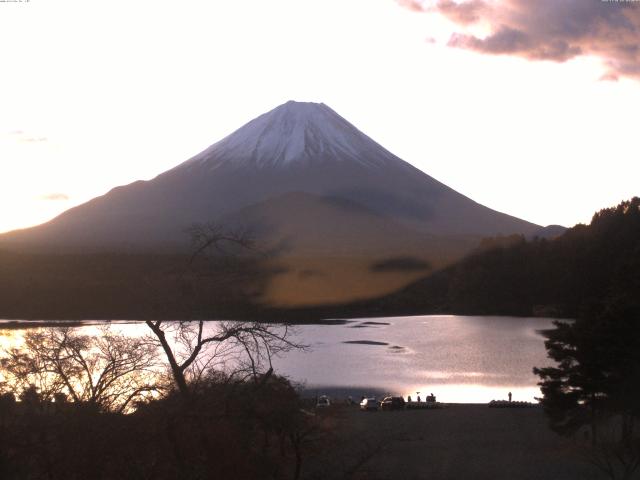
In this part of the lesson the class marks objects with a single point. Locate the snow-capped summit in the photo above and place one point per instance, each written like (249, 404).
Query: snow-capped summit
(294, 133)
(299, 168)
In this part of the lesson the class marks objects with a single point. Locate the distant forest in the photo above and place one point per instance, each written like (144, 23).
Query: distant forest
(586, 266)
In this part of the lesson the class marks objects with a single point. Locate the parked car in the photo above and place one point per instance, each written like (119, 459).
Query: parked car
(323, 402)
(392, 403)
(370, 404)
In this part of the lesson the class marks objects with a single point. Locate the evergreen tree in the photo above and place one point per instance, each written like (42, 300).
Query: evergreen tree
(596, 383)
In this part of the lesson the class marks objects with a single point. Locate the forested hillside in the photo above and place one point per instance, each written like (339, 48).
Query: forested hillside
(566, 276)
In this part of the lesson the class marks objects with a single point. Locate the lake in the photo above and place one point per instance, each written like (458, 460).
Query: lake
(459, 359)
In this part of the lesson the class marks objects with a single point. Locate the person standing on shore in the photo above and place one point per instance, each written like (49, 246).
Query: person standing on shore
(509, 396)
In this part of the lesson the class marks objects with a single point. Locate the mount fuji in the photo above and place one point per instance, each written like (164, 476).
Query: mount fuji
(342, 217)
(304, 180)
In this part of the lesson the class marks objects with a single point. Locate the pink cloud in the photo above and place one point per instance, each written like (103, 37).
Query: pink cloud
(556, 30)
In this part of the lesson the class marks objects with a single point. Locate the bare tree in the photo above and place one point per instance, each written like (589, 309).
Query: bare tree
(108, 370)
(211, 238)
(243, 349)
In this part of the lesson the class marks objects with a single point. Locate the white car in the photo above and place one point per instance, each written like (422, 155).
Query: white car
(370, 404)
(323, 402)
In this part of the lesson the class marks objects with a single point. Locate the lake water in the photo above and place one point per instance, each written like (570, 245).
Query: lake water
(457, 358)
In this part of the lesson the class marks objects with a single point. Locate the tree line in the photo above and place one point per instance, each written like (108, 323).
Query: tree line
(567, 276)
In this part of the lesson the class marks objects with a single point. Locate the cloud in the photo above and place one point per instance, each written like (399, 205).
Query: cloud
(609, 77)
(415, 5)
(556, 30)
(55, 196)
(464, 13)
(22, 136)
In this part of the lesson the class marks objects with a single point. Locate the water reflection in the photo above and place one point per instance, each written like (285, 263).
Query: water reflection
(10, 338)
(473, 392)
(459, 359)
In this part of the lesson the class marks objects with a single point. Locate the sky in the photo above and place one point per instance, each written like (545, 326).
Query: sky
(530, 108)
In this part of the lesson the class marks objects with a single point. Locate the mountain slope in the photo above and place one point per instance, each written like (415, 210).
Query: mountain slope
(329, 250)
(297, 147)
(303, 223)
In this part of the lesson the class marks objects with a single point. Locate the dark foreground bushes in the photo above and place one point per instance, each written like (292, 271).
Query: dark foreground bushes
(239, 430)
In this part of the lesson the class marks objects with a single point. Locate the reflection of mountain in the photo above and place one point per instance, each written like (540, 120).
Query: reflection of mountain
(305, 181)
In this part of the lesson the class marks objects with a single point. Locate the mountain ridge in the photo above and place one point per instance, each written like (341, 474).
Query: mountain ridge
(325, 201)
(311, 149)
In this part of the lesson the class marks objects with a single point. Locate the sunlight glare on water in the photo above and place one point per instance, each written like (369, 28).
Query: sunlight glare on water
(457, 358)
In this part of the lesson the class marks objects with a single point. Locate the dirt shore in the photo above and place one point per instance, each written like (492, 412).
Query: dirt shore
(462, 441)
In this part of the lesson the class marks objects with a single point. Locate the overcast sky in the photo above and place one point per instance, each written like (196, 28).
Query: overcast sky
(530, 108)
